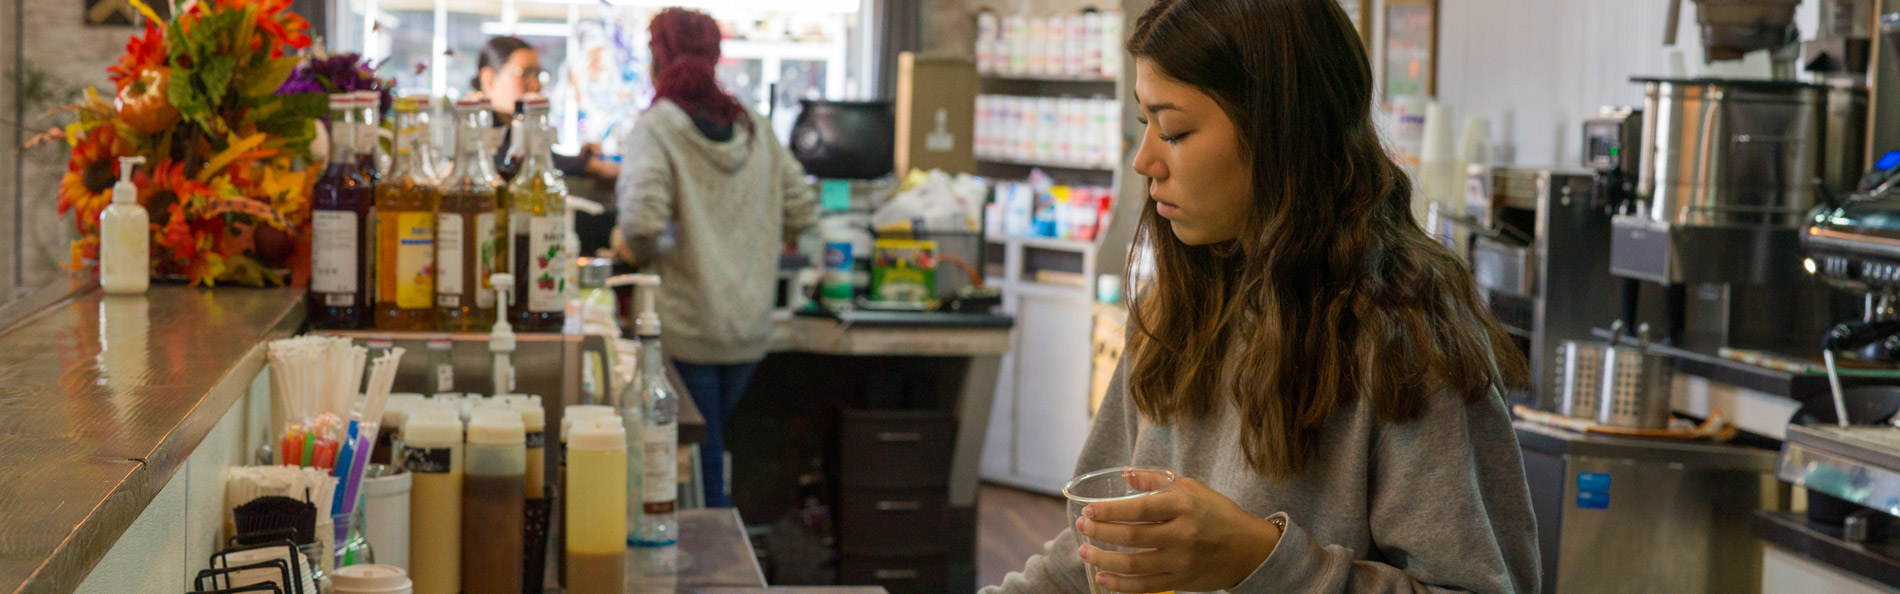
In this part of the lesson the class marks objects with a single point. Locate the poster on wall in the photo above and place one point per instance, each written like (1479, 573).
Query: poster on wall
(120, 13)
(1410, 47)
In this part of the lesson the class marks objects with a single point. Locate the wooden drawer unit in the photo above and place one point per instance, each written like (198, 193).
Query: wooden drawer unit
(894, 449)
(899, 575)
(892, 522)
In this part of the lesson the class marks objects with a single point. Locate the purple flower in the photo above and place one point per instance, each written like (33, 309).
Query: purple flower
(340, 73)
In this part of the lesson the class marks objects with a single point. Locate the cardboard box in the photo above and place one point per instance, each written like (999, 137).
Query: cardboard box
(936, 114)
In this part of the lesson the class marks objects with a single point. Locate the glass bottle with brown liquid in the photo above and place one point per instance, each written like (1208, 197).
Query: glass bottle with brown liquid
(468, 247)
(405, 229)
(537, 227)
(340, 279)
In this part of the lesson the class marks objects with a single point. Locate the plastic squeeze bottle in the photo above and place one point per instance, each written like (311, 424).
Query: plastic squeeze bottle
(596, 490)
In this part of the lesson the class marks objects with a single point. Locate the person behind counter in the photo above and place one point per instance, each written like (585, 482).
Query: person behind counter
(509, 69)
(1319, 373)
(700, 162)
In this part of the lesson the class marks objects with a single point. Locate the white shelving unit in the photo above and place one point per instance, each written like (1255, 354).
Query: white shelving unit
(1041, 415)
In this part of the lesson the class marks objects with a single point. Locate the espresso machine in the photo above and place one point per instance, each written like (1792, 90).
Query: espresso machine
(1729, 170)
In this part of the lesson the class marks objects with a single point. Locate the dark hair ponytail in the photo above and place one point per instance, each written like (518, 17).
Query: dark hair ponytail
(495, 53)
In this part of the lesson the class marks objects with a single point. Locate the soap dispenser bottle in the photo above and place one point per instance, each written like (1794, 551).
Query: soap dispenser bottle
(125, 238)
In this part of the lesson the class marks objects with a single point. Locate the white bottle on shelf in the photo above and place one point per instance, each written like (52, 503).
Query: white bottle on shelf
(1095, 149)
(125, 238)
(1077, 50)
(1016, 37)
(1047, 127)
(986, 35)
(1021, 142)
(1092, 45)
(980, 143)
(1111, 134)
(1111, 44)
(1055, 46)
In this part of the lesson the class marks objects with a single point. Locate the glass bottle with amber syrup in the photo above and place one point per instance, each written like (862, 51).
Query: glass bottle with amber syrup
(406, 201)
(341, 198)
(468, 247)
(537, 227)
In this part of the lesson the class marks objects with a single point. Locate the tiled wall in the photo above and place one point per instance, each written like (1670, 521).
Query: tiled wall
(57, 42)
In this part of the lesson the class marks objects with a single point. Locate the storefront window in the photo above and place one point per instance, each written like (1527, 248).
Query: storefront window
(595, 53)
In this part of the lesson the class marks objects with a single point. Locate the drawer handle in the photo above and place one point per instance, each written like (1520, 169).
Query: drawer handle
(894, 574)
(899, 505)
(889, 436)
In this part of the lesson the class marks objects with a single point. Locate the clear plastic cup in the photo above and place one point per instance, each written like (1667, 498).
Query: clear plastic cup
(1121, 483)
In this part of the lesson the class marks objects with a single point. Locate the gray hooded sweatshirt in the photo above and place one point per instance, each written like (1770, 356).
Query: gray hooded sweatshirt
(731, 205)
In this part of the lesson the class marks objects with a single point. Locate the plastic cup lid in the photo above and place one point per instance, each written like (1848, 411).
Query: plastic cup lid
(370, 578)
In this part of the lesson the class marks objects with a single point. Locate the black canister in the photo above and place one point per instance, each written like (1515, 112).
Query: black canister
(845, 139)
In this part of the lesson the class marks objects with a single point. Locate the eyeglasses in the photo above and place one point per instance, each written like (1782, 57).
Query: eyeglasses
(534, 72)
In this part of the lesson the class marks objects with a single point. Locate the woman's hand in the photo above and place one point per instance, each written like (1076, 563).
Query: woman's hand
(1201, 540)
(598, 168)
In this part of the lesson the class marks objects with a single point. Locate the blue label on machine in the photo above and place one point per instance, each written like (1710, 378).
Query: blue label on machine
(1593, 490)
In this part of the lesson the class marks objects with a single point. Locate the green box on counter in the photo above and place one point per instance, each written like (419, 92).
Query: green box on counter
(904, 271)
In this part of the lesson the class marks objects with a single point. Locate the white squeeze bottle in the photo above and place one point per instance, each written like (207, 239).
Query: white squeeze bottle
(659, 526)
(125, 238)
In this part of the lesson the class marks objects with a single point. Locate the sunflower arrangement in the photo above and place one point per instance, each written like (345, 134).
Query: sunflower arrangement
(208, 99)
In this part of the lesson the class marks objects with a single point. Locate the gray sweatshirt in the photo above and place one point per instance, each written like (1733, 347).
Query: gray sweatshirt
(731, 206)
(1434, 505)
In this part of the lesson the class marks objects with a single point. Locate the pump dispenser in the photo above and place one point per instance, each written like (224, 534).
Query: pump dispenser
(658, 525)
(501, 337)
(125, 238)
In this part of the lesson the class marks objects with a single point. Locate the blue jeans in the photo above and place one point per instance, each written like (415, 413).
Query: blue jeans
(716, 389)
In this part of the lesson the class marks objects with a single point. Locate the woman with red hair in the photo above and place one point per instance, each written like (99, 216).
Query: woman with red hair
(700, 163)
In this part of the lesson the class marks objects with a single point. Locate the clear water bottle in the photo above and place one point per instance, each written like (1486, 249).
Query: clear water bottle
(659, 524)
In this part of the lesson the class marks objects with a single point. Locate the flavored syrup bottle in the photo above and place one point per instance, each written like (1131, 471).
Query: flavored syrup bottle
(537, 227)
(339, 219)
(468, 246)
(369, 152)
(508, 162)
(405, 229)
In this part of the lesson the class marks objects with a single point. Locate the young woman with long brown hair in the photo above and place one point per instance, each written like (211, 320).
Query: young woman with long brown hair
(1319, 373)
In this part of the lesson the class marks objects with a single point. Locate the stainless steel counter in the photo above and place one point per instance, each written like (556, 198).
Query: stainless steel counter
(102, 399)
(1860, 464)
(713, 552)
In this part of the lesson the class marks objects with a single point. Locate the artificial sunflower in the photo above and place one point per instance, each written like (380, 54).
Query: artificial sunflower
(172, 197)
(86, 188)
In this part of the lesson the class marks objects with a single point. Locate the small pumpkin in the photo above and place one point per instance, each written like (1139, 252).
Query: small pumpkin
(143, 104)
